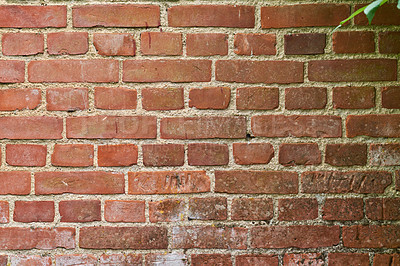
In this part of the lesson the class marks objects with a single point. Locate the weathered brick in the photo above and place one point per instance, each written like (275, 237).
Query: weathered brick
(211, 259)
(168, 182)
(337, 259)
(117, 155)
(297, 236)
(252, 209)
(12, 71)
(206, 44)
(76, 155)
(386, 15)
(386, 259)
(341, 70)
(391, 97)
(305, 98)
(26, 154)
(15, 183)
(67, 99)
(256, 182)
(161, 43)
(315, 126)
(353, 97)
(345, 182)
(299, 154)
(389, 42)
(70, 43)
(114, 44)
(163, 154)
(80, 211)
(211, 16)
(107, 127)
(116, 16)
(305, 43)
(168, 210)
(126, 211)
(119, 98)
(371, 236)
(209, 127)
(383, 208)
(22, 43)
(208, 154)
(384, 154)
(79, 183)
(166, 70)
(19, 99)
(348, 154)
(347, 209)
(121, 259)
(3, 260)
(27, 260)
(209, 237)
(165, 259)
(246, 71)
(380, 125)
(315, 259)
(210, 98)
(297, 209)
(14, 16)
(255, 44)
(4, 214)
(34, 211)
(252, 153)
(207, 208)
(253, 259)
(162, 99)
(257, 98)
(353, 42)
(104, 237)
(303, 15)
(76, 259)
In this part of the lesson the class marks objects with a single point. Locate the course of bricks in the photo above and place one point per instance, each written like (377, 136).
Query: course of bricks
(199, 133)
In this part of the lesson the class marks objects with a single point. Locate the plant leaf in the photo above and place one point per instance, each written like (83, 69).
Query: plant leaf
(398, 4)
(353, 15)
(370, 10)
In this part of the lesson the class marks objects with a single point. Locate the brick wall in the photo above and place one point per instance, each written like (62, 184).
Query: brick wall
(164, 133)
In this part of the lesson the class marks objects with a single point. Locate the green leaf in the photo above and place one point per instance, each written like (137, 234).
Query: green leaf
(352, 16)
(370, 10)
(398, 4)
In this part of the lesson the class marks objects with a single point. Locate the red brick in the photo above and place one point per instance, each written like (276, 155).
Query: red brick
(386, 259)
(19, 99)
(211, 259)
(126, 211)
(256, 182)
(206, 44)
(13, 16)
(252, 153)
(380, 125)
(353, 42)
(208, 154)
(13, 238)
(15, 183)
(161, 43)
(119, 98)
(259, 71)
(353, 97)
(70, 43)
(346, 154)
(209, 237)
(26, 154)
(33, 127)
(163, 154)
(76, 259)
(315, 126)
(207, 208)
(108, 127)
(28, 260)
(348, 209)
(166, 70)
(103, 237)
(371, 236)
(361, 259)
(34, 211)
(391, 97)
(116, 16)
(117, 155)
(211, 16)
(257, 98)
(389, 42)
(162, 99)
(257, 260)
(210, 127)
(252, 209)
(114, 44)
(68, 70)
(315, 259)
(345, 182)
(305, 98)
(210, 98)
(386, 15)
(22, 43)
(67, 99)
(383, 208)
(384, 154)
(79, 183)
(4, 214)
(297, 236)
(76, 155)
(3, 260)
(303, 15)
(305, 43)
(255, 44)
(121, 259)
(352, 70)
(80, 211)
(165, 259)
(168, 182)
(291, 154)
(297, 209)
(12, 71)
(168, 210)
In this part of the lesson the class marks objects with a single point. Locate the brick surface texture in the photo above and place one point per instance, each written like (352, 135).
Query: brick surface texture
(199, 132)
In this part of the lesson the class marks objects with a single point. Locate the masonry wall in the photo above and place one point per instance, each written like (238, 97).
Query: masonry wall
(198, 133)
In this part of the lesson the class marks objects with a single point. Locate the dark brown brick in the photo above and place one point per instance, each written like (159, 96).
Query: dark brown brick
(305, 43)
